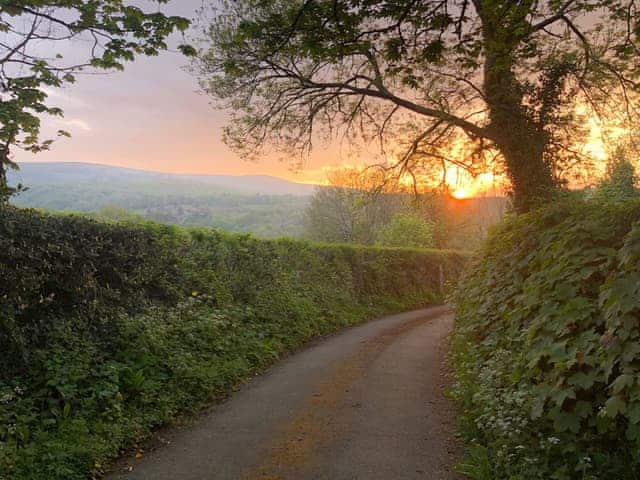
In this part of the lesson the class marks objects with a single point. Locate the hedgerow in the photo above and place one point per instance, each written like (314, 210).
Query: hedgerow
(108, 331)
(547, 345)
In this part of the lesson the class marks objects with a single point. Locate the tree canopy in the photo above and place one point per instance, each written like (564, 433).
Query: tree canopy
(352, 208)
(436, 82)
(34, 36)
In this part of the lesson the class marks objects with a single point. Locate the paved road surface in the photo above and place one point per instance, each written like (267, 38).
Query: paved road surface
(366, 404)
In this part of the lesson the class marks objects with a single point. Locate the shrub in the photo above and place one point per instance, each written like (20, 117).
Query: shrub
(53, 267)
(108, 331)
(547, 345)
(407, 230)
(620, 181)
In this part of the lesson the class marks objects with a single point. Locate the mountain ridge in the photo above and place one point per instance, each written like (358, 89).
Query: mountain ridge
(38, 173)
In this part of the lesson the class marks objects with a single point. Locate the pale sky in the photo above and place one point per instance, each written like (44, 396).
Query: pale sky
(152, 117)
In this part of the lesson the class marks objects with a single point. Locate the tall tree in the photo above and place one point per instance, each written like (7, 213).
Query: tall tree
(33, 36)
(353, 207)
(498, 76)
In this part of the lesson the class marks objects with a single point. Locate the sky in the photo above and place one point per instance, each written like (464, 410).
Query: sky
(153, 117)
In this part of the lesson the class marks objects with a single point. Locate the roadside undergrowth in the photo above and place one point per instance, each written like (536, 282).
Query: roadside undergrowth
(109, 331)
(547, 346)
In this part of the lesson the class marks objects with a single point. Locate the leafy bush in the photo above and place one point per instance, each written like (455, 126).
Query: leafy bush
(108, 331)
(547, 346)
(407, 230)
(620, 181)
(52, 267)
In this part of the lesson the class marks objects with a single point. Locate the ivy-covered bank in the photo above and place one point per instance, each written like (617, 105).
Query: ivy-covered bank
(547, 346)
(107, 331)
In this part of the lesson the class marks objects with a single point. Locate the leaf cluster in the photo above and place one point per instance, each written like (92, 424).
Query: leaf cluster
(114, 31)
(547, 344)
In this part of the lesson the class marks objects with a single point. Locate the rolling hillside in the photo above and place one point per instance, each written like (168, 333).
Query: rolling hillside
(259, 204)
(38, 174)
(262, 205)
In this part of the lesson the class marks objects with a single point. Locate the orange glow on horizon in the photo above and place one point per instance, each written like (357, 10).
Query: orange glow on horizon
(460, 184)
(461, 193)
(465, 185)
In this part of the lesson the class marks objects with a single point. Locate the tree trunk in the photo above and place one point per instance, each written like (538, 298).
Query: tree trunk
(523, 145)
(5, 191)
(518, 137)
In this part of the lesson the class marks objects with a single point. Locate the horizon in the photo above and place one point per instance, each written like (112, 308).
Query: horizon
(467, 195)
(164, 172)
(153, 117)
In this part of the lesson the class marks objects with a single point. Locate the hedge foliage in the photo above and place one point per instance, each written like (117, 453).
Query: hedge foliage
(107, 331)
(547, 346)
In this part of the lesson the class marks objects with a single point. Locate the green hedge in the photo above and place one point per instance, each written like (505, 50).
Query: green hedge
(107, 331)
(547, 346)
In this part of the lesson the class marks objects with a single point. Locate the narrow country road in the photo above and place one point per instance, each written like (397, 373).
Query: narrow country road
(366, 404)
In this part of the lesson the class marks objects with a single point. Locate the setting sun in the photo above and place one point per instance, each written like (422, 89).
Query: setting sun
(462, 184)
(461, 193)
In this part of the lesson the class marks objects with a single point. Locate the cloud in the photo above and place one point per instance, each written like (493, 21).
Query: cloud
(74, 123)
(68, 101)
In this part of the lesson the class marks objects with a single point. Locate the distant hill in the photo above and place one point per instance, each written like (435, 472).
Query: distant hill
(37, 174)
(259, 204)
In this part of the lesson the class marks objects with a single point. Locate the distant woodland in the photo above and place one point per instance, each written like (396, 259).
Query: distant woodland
(236, 204)
(347, 211)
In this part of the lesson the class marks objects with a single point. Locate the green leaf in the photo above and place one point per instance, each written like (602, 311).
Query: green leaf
(584, 380)
(615, 406)
(566, 421)
(634, 413)
(622, 382)
(560, 395)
